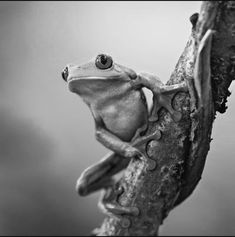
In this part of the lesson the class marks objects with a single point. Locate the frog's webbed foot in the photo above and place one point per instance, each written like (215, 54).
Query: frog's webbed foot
(163, 98)
(114, 208)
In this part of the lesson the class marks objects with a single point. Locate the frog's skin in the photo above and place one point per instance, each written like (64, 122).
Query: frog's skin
(115, 97)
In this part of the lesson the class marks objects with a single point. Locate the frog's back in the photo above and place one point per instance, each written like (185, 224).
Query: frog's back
(124, 115)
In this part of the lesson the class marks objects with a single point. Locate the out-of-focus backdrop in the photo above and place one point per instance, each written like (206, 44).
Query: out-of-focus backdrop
(47, 133)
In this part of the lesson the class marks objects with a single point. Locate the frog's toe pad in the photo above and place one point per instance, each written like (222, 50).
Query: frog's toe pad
(153, 118)
(177, 116)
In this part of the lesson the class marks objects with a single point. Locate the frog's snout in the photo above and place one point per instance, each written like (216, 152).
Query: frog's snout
(65, 74)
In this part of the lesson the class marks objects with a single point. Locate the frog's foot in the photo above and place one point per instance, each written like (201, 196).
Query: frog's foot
(113, 207)
(163, 98)
(162, 94)
(139, 132)
(156, 135)
(118, 210)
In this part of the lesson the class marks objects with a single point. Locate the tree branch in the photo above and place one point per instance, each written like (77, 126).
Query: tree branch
(175, 161)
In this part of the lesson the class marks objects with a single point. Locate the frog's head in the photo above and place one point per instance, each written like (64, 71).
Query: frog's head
(99, 78)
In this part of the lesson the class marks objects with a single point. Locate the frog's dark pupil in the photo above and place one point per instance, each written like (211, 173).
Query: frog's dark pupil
(103, 59)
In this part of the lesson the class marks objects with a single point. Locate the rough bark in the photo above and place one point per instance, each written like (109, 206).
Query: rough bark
(172, 167)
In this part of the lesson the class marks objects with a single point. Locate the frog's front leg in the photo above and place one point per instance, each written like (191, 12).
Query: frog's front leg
(112, 142)
(162, 94)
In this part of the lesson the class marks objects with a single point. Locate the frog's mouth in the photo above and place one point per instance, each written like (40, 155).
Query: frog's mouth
(89, 86)
(85, 78)
(80, 84)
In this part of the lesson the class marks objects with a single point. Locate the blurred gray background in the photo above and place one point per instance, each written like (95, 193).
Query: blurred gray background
(47, 133)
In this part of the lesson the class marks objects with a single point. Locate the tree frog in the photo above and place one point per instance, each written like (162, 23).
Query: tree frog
(115, 97)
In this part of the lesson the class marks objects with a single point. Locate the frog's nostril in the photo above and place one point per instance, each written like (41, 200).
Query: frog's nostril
(65, 74)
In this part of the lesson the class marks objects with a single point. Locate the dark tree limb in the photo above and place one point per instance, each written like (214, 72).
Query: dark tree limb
(175, 161)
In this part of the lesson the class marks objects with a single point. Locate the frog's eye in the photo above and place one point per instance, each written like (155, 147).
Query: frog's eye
(103, 61)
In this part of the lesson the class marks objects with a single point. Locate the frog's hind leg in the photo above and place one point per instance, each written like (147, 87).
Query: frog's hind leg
(99, 176)
(164, 99)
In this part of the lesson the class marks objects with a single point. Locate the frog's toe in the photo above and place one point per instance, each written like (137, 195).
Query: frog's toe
(176, 116)
(153, 118)
(116, 209)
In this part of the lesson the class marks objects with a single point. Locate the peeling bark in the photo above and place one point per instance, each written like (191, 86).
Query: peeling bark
(180, 153)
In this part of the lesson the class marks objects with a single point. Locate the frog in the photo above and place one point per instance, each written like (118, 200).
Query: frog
(114, 94)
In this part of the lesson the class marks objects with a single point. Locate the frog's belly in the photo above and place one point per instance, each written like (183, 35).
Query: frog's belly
(123, 119)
